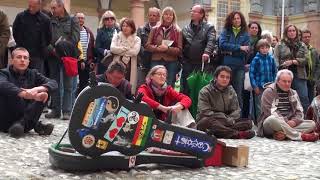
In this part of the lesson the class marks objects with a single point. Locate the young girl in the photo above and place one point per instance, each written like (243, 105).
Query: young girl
(313, 111)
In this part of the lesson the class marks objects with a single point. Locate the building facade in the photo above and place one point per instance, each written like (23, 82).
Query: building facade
(302, 13)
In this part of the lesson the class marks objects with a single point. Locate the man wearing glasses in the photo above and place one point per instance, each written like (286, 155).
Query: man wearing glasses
(23, 94)
(198, 43)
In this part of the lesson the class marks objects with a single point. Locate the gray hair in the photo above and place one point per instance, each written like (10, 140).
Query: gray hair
(153, 70)
(59, 2)
(154, 9)
(283, 71)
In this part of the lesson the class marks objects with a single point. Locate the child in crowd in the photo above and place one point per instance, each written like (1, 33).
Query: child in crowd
(262, 70)
(313, 111)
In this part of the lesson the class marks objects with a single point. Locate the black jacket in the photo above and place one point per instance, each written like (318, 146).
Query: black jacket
(144, 57)
(198, 41)
(32, 32)
(12, 82)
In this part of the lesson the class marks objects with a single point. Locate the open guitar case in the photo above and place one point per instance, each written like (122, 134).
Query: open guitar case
(108, 132)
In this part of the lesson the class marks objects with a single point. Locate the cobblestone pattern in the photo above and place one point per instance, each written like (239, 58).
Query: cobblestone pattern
(28, 158)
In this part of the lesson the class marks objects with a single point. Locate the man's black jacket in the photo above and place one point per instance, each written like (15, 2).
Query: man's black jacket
(33, 32)
(198, 40)
(11, 82)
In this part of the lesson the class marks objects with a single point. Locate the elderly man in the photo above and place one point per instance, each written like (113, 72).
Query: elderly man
(32, 30)
(219, 110)
(64, 28)
(23, 94)
(143, 32)
(199, 39)
(282, 112)
(115, 75)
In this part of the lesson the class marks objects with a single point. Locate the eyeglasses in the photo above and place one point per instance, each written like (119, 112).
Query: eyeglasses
(109, 18)
(161, 74)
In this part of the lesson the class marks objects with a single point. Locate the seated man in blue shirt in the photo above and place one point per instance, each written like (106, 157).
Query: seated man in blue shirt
(23, 94)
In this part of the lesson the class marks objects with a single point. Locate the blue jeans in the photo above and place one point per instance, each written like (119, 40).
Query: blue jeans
(172, 68)
(237, 83)
(74, 89)
(300, 85)
(61, 98)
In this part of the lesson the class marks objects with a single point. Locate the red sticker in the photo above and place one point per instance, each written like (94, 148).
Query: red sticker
(113, 133)
(120, 121)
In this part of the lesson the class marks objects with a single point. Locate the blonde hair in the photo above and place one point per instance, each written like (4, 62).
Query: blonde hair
(174, 21)
(153, 70)
(106, 15)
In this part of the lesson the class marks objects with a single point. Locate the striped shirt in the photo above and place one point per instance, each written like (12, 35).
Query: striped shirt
(84, 42)
(283, 106)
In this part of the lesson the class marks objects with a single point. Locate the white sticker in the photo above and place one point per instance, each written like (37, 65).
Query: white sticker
(132, 161)
(133, 117)
(112, 104)
(168, 137)
(88, 141)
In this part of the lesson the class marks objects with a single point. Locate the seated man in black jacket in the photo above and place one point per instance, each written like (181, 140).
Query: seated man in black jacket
(115, 75)
(23, 94)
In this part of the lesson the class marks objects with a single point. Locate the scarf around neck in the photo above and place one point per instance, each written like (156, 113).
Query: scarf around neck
(172, 32)
(159, 91)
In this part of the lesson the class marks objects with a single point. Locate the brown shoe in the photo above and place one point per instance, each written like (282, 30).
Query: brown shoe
(279, 136)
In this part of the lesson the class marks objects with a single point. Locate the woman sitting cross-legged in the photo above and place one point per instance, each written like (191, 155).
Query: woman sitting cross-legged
(219, 111)
(162, 98)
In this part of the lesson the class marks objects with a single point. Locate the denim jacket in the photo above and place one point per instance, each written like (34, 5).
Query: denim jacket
(230, 45)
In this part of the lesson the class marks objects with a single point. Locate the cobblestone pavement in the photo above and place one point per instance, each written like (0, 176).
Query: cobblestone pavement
(28, 158)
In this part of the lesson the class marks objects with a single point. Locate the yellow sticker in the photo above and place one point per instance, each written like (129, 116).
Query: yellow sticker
(102, 144)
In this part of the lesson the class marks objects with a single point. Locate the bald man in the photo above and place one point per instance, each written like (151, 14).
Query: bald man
(31, 30)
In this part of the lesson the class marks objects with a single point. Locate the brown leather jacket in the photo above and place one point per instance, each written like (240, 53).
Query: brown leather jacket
(155, 39)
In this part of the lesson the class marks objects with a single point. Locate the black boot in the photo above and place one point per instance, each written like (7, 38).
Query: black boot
(16, 130)
(53, 114)
(43, 129)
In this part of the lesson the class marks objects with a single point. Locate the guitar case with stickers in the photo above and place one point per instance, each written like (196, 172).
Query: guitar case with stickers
(103, 121)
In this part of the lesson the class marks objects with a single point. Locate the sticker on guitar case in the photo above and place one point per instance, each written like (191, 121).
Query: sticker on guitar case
(88, 141)
(132, 161)
(117, 125)
(133, 117)
(94, 111)
(157, 135)
(83, 132)
(168, 137)
(102, 144)
(191, 143)
(112, 104)
(142, 131)
(109, 118)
